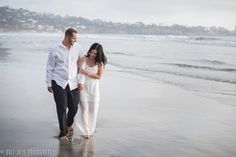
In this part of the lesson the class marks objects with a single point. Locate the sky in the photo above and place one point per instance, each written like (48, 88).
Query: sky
(166, 12)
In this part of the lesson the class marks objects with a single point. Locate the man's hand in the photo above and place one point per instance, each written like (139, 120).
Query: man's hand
(50, 89)
(80, 87)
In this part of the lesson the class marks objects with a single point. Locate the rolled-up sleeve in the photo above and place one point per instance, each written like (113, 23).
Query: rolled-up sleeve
(81, 77)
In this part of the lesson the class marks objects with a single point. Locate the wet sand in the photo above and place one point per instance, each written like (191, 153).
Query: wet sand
(137, 117)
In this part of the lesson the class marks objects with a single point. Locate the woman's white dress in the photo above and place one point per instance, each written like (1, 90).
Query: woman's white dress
(89, 102)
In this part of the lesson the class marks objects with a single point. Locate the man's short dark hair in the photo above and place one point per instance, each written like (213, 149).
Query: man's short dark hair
(69, 32)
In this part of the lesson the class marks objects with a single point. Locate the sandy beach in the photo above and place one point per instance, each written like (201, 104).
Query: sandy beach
(138, 117)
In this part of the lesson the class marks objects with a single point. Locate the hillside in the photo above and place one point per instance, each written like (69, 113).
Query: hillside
(14, 20)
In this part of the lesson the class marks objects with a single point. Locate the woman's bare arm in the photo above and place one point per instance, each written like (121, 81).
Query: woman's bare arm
(97, 75)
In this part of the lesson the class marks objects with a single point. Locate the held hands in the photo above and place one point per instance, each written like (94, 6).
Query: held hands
(81, 87)
(50, 89)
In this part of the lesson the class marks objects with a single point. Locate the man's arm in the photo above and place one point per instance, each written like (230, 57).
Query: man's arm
(50, 67)
(81, 77)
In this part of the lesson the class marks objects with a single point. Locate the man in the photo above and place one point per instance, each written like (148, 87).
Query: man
(61, 78)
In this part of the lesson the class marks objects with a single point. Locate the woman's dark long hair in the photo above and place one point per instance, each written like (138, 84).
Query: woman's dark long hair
(100, 57)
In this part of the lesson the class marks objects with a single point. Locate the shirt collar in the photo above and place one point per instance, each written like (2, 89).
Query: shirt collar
(61, 45)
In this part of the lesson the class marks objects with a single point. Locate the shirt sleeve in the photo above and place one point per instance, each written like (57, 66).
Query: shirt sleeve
(81, 52)
(50, 67)
(81, 77)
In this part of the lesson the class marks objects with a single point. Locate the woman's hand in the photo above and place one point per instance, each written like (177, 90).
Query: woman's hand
(82, 71)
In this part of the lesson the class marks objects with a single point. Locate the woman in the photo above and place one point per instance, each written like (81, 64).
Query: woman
(91, 69)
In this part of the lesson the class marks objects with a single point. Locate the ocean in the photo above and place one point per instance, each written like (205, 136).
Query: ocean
(203, 65)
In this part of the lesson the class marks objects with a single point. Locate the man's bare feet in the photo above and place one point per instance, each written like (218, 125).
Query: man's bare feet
(64, 138)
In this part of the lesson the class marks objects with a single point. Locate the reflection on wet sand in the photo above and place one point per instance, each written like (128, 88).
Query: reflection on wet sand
(3, 53)
(77, 147)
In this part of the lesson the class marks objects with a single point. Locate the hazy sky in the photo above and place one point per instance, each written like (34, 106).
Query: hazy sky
(184, 12)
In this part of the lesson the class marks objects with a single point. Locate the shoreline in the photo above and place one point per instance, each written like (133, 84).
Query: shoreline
(137, 117)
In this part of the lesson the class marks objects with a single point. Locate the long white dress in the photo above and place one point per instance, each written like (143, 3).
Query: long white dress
(89, 102)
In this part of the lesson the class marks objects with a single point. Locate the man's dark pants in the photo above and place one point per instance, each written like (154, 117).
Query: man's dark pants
(65, 98)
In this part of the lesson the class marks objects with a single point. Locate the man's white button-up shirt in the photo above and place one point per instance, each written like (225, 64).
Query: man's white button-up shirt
(62, 65)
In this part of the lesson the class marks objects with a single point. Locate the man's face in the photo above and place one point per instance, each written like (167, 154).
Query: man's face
(72, 39)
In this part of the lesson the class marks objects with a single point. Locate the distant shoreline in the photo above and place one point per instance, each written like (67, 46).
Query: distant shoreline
(84, 33)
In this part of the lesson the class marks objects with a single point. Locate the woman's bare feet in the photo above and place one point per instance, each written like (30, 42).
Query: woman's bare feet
(64, 138)
(71, 131)
(85, 136)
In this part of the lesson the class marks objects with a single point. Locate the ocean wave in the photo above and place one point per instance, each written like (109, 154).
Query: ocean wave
(206, 38)
(137, 70)
(121, 53)
(212, 41)
(137, 55)
(213, 62)
(201, 67)
(201, 40)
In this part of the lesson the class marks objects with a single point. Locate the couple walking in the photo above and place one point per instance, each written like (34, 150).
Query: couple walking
(73, 78)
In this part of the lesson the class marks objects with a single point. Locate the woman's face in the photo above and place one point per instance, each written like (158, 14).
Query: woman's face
(93, 54)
